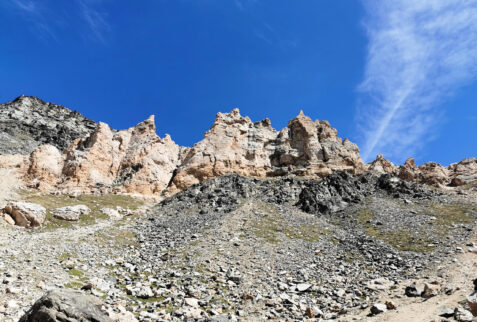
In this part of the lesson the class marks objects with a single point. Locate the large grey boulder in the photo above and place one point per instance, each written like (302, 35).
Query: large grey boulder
(26, 214)
(66, 306)
(70, 213)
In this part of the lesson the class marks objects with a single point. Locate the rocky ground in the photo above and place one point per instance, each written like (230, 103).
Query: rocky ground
(250, 249)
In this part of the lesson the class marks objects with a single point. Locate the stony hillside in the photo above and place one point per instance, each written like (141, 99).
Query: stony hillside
(252, 249)
(28, 122)
(249, 224)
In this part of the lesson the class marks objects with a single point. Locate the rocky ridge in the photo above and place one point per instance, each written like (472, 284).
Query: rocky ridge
(430, 173)
(138, 161)
(28, 122)
(84, 157)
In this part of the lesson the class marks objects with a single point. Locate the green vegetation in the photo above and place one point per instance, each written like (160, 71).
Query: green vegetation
(402, 239)
(405, 239)
(115, 237)
(75, 272)
(65, 256)
(451, 214)
(75, 285)
(94, 202)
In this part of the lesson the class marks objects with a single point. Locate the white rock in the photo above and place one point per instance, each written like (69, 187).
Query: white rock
(70, 213)
(111, 213)
(303, 287)
(191, 302)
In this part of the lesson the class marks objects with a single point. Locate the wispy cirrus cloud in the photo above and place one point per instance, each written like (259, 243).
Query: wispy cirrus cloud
(419, 53)
(95, 20)
(34, 13)
(47, 20)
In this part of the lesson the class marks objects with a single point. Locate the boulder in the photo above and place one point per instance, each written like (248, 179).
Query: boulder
(70, 213)
(66, 305)
(26, 214)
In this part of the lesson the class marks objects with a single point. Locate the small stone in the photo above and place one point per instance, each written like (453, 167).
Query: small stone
(145, 293)
(447, 312)
(13, 290)
(309, 312)
(303, 287)
(430, 290)
(472, 302)
(413, 290)
(463, 315)
(191, 302)
(378, 308)
(11, 304)
(390, 305)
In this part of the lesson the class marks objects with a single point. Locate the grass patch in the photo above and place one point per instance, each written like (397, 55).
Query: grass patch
(401, 239)
(94, 202)
(65, 256)
(75, 272)
(74, 285)
(271, 226)
(115, 236)
(148, 300)
(452, 214)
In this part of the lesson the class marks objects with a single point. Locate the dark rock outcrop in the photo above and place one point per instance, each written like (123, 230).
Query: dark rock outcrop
(28, 122)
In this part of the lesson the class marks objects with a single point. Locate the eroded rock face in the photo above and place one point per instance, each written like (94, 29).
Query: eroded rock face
(134, 160)
(431, 173)
(463, 172)
(66, 305)
(28, 122)
(381, 165)
(26, 214)
(137, 161)
(236, 145)
(45, 167)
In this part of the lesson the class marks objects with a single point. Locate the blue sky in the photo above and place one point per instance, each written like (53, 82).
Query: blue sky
(396, 77)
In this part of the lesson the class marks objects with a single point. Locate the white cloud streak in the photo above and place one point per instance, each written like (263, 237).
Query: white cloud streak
(45, 20)
(419, 53)
(95, 20)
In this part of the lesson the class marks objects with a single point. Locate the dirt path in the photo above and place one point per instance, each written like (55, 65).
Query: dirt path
(458, 276)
